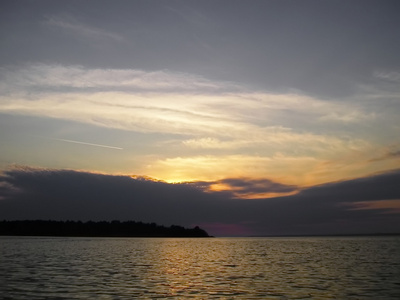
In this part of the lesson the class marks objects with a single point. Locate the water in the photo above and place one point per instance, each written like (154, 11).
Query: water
(220, 268)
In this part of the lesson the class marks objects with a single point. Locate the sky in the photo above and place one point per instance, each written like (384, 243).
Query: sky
(242, 117)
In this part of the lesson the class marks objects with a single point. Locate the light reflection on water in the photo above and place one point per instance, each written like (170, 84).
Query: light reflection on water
(234, 268)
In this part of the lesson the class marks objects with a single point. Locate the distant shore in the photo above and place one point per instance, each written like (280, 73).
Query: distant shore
(328, 235)
(95, 229)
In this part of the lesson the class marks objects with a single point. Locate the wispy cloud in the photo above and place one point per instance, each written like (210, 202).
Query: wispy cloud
(390, 76)
(56, 78)
(392, 152)
(244, 125)
(133, 99)
(70, 24)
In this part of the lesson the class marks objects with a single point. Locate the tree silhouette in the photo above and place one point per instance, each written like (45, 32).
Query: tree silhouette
(96, 229)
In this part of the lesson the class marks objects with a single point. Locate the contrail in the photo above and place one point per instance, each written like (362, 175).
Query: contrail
(89, 144)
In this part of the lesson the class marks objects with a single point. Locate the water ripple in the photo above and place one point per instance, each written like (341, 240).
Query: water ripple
(275, 268)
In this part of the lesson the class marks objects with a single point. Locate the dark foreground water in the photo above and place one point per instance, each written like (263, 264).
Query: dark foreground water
(226, 268)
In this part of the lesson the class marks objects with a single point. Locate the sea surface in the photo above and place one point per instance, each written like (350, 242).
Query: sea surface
(203, 268)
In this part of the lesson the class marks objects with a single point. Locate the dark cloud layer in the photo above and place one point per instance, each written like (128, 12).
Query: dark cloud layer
(321, 47)
(28, 193)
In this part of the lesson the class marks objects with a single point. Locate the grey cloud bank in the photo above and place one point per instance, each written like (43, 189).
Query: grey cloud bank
(28, 193)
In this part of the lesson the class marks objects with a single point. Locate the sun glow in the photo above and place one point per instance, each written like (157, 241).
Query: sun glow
(238, 193)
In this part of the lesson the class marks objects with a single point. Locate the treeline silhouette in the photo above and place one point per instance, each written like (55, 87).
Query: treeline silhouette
(96, 229)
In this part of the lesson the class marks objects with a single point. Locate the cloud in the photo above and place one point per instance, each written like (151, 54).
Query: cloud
(56, 78)
(64, 194)
(31, 193)
(70, 24)
(210, 143)
(248, 188)
(390, 206)
(163, 91)
(390, 76)
(382, 186)
(349, 117)
(298, 170)
(174, 103)
(387, 153)
(215, 168)
(7, 190)
(204, 117)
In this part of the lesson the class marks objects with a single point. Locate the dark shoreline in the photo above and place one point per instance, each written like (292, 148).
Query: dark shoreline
(96, 229)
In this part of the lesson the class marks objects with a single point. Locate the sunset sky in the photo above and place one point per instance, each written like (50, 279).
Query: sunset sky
(243, 117)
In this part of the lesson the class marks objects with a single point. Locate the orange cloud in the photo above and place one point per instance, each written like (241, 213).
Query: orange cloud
(388, 206)
(247, 188)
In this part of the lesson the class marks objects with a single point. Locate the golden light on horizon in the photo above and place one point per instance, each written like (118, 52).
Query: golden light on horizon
(299, 171)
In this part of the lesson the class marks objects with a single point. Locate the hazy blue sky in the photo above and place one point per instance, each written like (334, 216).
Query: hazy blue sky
(253, 110)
